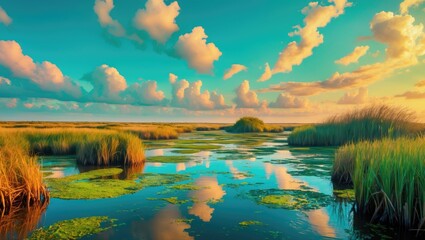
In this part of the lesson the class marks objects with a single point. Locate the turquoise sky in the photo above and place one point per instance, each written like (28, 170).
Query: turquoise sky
(251, 33)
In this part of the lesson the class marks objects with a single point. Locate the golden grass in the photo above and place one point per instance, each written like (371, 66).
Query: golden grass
(21, 183)
(388, 178)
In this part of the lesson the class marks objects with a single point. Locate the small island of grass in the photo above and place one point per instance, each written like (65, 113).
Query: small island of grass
(251, 125)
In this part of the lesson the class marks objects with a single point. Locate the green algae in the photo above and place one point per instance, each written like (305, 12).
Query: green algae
(201, 147)
(171, 200)
(101, 183)
(183, 220)
(250, 223)
(290, 199)
(186, 151)
(188, 186)
(169, 159)
(74, 229)
(347, 194)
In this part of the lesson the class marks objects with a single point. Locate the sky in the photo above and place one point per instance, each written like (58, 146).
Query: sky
(208, 61)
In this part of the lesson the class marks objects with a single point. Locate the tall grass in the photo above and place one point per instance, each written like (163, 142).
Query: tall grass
(155, 132)
(374, 122)
(388, 178)
(21, 183)
(111, 149)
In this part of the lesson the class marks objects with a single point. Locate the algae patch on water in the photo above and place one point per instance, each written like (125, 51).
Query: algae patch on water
(347, 194)
(169, 159)
(75, 228)
(171, 200)
(250, 223)
(290, 199)
(103, 183)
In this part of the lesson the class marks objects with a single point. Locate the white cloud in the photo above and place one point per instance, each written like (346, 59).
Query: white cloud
(354, 56)
(188, 95)
(266, 75)
(158, 19)
(412, 95)
(406, 4)
(405, 42)
(246, 98)
(144, 93)
(317, 16)
(235, 68)
(288, 101)
(4, 18)
(46, 74)
(107, 83)
(420, 84)
(172, 78)
(194, 49)
(359, 97)
(103, 8)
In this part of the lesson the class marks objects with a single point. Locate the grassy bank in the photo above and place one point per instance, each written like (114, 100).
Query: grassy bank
(375, 122)
(21, 183)
(252, 124)
(388, 179)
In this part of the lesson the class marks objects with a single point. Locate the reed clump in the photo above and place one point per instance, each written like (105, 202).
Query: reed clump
(21, 183)
(155, 132)
(111, 149)
(251, 124)
(373, 122)
(388, 177)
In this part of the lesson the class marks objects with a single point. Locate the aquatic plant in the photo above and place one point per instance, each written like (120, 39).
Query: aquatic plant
(251, 124)
(74, 228)
(374, 122)
(388, 177)
(111, 149)
(21, 182)
(250, 223)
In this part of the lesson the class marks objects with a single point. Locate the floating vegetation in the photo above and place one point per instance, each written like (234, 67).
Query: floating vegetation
(172, 200)
(186, 151)
(184, 220)
(189, 186)
(200, 147)
(101, 183)
(75, 228)
(169, 159)
(290, 199)
(347, 194)
(250, 223)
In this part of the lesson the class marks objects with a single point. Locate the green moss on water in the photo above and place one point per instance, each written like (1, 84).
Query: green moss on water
(75, 228)
(250, 223)
(183, 220)
(189, 186)
(101, 183)
(347, 194)
(290, 199)
(171, 200)
(169, 159)
(186, 151)
(201, 147)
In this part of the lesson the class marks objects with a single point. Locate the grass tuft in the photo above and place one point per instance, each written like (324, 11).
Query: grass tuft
(251, 124)
(374, 122)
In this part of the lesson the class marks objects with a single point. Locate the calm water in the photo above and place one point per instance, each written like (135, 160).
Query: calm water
(226, 178)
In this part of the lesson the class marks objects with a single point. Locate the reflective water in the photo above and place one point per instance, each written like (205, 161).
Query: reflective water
(220, 199)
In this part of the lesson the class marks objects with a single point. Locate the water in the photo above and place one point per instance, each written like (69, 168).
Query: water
(222, 199)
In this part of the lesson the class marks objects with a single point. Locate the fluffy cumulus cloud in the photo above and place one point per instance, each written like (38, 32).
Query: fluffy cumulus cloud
(188, 95)
(245, 97)
(405, 43)
(107, 83)
(267, 74)
(406, 4)
(235, 68)
(45, 75)
(354, 56)
(359, 97)
(4, 18)
(199, 54)
(285, 100)
(103, 9)
(317, 16)
(145, 93)
(158, 19)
